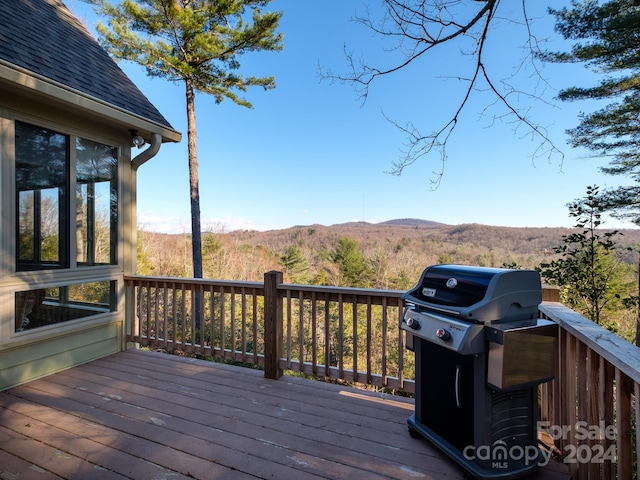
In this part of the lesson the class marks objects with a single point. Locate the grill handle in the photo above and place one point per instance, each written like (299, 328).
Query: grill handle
(457, 386)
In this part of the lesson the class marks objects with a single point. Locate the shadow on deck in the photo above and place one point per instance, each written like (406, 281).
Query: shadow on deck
(145, 415)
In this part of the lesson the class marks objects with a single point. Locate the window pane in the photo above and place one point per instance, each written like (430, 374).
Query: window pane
(37, 308)
(96, 203)
(26, 224)
(50, 226)
(42, 162)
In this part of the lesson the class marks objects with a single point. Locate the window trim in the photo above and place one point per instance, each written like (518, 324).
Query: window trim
(68, 241)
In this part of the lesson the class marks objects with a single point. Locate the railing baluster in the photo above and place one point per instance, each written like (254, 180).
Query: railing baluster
(174, 313)
(605, 410)
(202, 323)
(183, 319)
(593, 408)
(147, 311)
(384, 341)
(581, 386)
(154, 323)
(212, 321)
(314, 334)
(623, 424)
(222, 320)
(289, 337)
(243, 323)
(369, 341)
(189, 340)
(301, 349)
(327, 338)
(571, 405)
(340, 336)
(232, 322)
(256, 343)
(354, 313)
(165, 315)
(135, 315)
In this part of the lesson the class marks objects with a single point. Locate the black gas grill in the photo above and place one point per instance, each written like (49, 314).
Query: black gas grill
(481, 351)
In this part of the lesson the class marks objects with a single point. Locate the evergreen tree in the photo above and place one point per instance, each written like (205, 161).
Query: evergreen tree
(352, 264)
(295, 264)
(197, 43)
(606, 36)
(589, 272)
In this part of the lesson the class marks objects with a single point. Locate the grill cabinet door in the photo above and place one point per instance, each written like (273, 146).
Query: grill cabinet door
(445, 401)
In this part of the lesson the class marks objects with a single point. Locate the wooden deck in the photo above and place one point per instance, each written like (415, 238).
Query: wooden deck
(146, 416)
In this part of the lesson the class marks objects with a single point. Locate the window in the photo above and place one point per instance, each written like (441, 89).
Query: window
(42, 190)
(44, 178)
(40, 307)
(96, 203)
(66, 218)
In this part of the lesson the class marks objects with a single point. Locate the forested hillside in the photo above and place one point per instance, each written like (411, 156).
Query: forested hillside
(391, 254)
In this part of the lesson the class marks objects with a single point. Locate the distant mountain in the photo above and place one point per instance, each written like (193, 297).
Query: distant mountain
(414, 222)
(397, 222)
(426, 238)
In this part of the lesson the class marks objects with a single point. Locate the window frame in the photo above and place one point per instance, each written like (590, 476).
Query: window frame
(68, 242)
(74, 272)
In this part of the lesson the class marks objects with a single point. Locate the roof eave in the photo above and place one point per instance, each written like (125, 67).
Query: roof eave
(30, 81)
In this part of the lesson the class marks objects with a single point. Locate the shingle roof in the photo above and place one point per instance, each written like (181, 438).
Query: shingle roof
(44, 37)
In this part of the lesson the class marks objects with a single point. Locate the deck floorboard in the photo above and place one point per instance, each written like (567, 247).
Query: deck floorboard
(145, 415)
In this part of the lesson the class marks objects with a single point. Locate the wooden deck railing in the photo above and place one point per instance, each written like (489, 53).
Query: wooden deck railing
(345, 334)
(337, 333)
(590, 408)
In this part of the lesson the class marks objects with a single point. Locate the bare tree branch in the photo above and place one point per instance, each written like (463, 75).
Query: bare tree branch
(418, 27)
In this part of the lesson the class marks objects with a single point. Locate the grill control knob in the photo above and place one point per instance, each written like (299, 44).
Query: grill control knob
(413, 323)
(443, 334)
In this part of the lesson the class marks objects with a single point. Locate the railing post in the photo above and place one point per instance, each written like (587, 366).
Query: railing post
(272, 325)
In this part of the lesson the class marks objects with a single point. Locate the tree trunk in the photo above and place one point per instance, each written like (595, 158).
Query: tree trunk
(196, 230)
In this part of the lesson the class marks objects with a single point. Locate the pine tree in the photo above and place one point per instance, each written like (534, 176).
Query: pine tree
(197, 43)
(351, 262)
(606, 36)
(295, 264)
(591, 276)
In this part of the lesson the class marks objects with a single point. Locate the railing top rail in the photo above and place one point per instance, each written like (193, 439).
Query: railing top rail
(617, 351)
(195, 281)
(370, 292)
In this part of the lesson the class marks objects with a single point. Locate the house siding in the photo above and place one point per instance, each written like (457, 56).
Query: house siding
(50, 355)
(54, 75)
(41, 351)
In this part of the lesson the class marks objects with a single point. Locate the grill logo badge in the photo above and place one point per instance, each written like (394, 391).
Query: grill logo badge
(452, 283)
(429, 292)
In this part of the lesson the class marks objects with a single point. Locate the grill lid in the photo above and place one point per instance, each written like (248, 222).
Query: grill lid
(478, 294)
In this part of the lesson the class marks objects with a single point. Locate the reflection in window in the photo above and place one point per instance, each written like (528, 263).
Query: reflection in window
(42, 186)
(43, 204)
(40, 307)
(96, 203)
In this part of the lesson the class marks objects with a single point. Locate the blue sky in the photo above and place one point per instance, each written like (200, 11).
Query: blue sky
(310, 152)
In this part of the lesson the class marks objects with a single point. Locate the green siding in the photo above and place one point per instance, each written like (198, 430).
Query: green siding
(28, 362)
